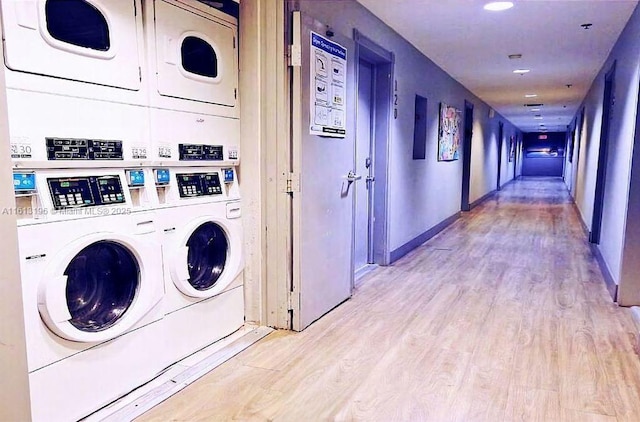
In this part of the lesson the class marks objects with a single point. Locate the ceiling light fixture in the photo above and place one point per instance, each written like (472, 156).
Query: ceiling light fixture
(515, 56)
(522, 71)
(530, 95)
(498, 6)
(535, 109)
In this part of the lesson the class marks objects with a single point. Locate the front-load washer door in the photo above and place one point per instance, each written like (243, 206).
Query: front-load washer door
(99, 294)
(94, 41)
(196, 56)
(204, 264)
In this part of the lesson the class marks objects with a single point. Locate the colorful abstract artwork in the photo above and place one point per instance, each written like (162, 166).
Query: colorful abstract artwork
(449, 133)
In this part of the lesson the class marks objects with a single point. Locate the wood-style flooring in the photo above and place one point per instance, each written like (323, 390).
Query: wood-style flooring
(503, 316)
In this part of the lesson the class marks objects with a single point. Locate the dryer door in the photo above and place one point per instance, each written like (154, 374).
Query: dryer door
(92, 41)
(204, 264)
(95, 291)
(195, 55)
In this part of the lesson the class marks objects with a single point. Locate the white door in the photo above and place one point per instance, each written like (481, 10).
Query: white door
(323, 209)
(195, 55)
(82, 40)
(364, 167)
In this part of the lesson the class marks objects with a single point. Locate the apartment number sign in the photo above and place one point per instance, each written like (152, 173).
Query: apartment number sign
(328, 84)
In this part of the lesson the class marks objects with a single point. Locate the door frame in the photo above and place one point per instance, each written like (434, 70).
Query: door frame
(500, 146)
(466, 158)
(383, 62)
(603, 155)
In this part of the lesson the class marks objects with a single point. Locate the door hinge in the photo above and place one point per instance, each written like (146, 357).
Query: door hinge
(293, 301)
(292, 183)
(234, 42)
(235, 93)
(140, 73)
(295, 55)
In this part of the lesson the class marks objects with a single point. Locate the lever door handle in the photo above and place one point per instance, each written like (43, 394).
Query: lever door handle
(352, 177)
(370, 178)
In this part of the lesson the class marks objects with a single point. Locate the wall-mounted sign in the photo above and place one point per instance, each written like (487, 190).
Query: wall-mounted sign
(328, 87)
(542, 136)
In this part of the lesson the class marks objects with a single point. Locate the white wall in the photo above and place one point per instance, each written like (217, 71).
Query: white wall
(14, 387)
(626, 55)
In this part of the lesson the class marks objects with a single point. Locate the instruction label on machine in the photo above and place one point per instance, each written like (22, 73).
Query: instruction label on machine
(328, 87)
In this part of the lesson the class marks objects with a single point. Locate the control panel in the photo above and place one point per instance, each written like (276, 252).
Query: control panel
(83, 149)
(198, 184)
(200, 152)
(85, 191)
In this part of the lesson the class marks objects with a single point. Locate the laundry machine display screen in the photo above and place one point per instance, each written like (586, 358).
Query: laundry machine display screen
(24, 182)
(83, 149)
(200, 152)
(199, 184)
(85, 191)
(135, 177)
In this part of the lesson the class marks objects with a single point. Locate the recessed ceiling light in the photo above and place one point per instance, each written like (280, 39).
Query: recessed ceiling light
(535, 109)
(530, 95)
(498, 6)
(522, 71)
(538, 117)
(515, 56)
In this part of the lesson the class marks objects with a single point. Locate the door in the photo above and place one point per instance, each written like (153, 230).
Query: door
(601, 174)
(500, 145)
(466, 158)
(82, 40)
(322, 211)
(363, 250)
(195, 55)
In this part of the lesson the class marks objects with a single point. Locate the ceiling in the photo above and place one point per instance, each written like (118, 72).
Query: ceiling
(473, 46)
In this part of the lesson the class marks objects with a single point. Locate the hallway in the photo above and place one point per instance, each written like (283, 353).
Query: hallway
(502, 316)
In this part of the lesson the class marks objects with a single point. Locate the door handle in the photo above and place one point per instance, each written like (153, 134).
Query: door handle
(370, 178)
(352, 177)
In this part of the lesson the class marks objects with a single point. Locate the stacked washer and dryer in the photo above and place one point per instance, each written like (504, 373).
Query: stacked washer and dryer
(124, 130)
(195, 130)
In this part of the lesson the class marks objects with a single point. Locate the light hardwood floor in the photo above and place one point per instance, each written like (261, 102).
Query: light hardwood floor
(504, 316)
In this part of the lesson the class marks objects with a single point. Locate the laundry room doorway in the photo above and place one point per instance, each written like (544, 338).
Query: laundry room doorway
(375, 66)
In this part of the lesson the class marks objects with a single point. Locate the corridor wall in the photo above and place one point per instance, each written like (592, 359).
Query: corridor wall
(625, 56)
(427, 190)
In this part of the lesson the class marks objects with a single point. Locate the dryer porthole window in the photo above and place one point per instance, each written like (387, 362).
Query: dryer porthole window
(102, 282)
(77, 22)
(207, 256)
(199, 57)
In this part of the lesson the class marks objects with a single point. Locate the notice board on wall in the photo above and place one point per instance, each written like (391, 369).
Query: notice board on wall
(328, 86)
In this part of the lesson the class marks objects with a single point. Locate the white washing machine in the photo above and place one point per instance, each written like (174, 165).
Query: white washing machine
(80, 48)
(92, 289)
(193, 78)
(199, 217)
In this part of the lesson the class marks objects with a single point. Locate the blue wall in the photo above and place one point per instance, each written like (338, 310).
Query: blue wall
(543, 157)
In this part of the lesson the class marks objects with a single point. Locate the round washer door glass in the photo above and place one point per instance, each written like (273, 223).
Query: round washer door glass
(102, 282)
(207, 255)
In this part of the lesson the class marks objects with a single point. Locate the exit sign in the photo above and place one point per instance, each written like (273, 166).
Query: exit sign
(542, 136)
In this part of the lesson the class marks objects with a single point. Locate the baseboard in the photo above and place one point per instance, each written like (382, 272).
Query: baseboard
(585, 229)
(482, 199)
(609, 282)
(419, 240)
